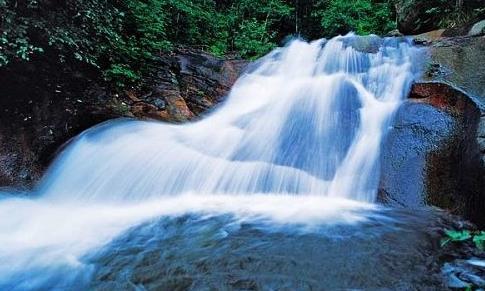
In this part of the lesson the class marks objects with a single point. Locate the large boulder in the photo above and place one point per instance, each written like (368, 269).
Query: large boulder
(435, 153)
(458, 61)
(39, 116)
(431, 156)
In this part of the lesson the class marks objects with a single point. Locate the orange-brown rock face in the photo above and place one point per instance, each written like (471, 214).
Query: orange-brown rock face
(443, 97)
(188, 84)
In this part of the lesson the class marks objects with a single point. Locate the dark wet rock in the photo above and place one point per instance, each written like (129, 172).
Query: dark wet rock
(435, 153)
(38, 116)
(465, 273)
(188, 84)
(408, 12)
(394, 33)
(428, 37)
(368, 44)
(461, 63)
(468, 29)
(35, 122)
(458, 61)
(432, 156)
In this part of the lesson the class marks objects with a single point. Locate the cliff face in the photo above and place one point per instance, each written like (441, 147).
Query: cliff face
(40, 114)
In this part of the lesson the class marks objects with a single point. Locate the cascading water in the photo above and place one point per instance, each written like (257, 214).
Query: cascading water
(300, 130)
(309, 119)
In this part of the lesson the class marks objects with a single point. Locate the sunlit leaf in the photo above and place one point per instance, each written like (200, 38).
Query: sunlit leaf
(455, 235)
(479, 240)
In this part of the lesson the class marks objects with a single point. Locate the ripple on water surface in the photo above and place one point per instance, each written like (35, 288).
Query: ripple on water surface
(224, 242)
(390, 248)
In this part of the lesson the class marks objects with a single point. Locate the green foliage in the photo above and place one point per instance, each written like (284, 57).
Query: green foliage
(121, 75)
(120, 39)
(255, 36)
(360, 16)
(244, 26)
(454, 236)
(253, 39)
(478, 237)
(192, 22)
(117, 37)
(421, 16)
(479, 240)
(14, 39)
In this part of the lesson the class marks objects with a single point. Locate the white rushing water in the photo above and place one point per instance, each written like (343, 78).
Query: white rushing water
(297, 140)
(309, 119)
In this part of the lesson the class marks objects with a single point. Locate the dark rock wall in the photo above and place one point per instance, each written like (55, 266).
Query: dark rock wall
(435, 153)
(40, 114)
(418, 130)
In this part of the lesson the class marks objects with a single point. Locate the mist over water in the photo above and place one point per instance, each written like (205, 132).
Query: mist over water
(296, 142)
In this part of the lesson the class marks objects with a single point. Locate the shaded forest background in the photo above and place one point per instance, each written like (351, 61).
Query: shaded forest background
(119, 40)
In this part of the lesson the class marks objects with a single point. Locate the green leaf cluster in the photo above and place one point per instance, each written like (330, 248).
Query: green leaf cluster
(477, 237)
(361, 16)
(121, 39)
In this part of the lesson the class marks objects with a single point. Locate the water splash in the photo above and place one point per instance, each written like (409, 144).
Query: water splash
(309, 119)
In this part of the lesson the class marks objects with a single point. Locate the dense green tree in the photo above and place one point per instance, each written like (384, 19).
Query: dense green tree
(361, 16)
(256, 26)
(120, 38)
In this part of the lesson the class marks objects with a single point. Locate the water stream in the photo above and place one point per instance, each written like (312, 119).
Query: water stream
(274, 189)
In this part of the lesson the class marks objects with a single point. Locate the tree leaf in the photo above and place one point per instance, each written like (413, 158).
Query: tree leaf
(479, 240)
(455, 235)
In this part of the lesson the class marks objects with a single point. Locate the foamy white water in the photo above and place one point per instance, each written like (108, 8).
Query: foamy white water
(309, 119)
(297, 141)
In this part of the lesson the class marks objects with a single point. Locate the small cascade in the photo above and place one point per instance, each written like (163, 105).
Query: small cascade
(307, 119)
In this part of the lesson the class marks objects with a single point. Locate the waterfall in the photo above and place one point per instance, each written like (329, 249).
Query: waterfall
(307, 119)
(296, 141)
